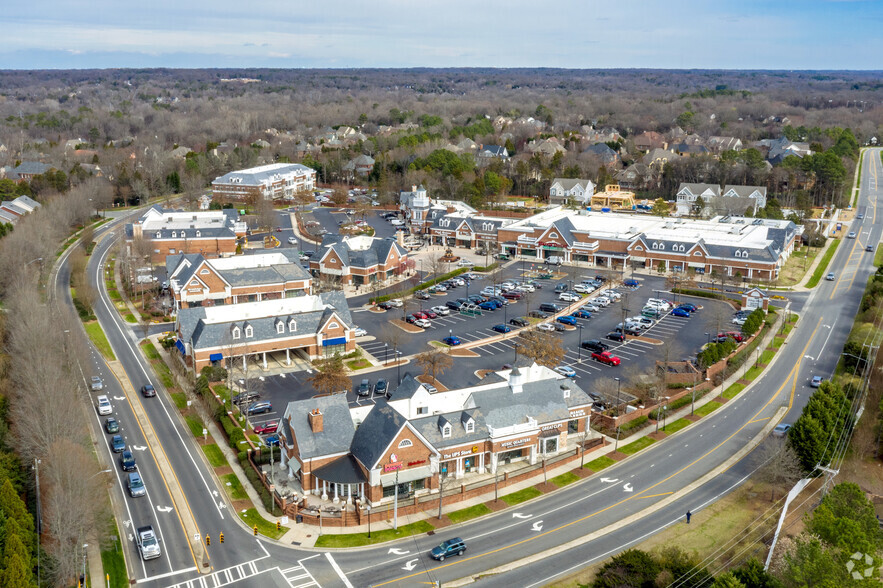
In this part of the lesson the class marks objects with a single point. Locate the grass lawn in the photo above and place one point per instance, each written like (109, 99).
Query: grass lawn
(767, 356)
(214, 455)
(180, 400)
(194, 423)
(636, 446)
(130, 318)
(708, 408)
(822, 268)
(753, 373)
(114, 294)
(149, 350)
(465, 514)
(732, 391)
(358, 364)
(222, 391)
(520, 496)
(113, 563)
(565, 479)
(596, 465)
(676, 426)
(164, 373)
(360, 539)
(93, 329)
(793, 271)
(234, 487)
(265, 527)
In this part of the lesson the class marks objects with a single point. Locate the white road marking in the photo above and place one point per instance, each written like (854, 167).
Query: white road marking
(337, 569)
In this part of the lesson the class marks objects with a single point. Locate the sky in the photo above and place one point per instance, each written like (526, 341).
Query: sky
(675, 34)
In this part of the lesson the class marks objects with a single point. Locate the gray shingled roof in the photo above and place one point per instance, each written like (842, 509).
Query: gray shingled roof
(429, 428)
(376, 432)
(542, 400)
(406, 389)
(337, 425)
(258, 176)
(28, 167)
(362, 258)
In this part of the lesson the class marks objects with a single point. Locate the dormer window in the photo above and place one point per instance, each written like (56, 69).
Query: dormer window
(173, 234)
(470, 426)
(158, 234)
(405, 443)
(249, 332)
(280, 327)
(197, 233)
(446, 431)
(235, 332)
(292, 326)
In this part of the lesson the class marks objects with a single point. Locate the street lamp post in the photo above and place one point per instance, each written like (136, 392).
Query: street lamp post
(618, 386)
(516, 354)
(579, 348)
(85, 545)
(399, 366)
(368, 508)
(385, 354)
(616, 445)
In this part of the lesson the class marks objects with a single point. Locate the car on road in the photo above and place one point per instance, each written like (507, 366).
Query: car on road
(501, 328)
(595, 345)
(569, 297)
(526, 287)
(455, 546)
(437, 289)
(615, 336)
(135, 485)
(464, 263)
(117, 444)
(566, 371)
(147, 542)
(111, 425)
(127, 461)
(851, 235)
(519, 322)
(308, 253)
(292, 241)
(96, 384)
(815, 382)
(267, 428)
(781, 430)
(546, 327)
(441, 310)
(606, 357)
(869, 248)
(422, 323)
(830, 276)
(553, 260)
(567, 320)
(148, 391)
(396, 222)
(581, 313)
(103, 405)
(259, 408)
(452, 341)
(860, 216)
(245, 397)
(396, 303)
(681, 312)
(364, 388)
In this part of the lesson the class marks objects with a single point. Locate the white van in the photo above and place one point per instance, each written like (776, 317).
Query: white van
(554, 260)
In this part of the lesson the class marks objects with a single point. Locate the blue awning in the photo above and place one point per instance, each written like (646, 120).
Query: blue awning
(335, 341)
(216, 357)
(180, 346)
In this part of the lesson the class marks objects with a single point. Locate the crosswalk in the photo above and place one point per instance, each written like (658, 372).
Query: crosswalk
(296, 576)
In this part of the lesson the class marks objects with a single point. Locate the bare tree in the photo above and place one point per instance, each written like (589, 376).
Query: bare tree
(778, 465)
(434, 362)
(330, 375)
(267, 218)
(542, 347)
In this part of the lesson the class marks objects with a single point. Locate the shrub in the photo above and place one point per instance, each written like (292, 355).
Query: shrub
(635, 423)
(421, 286)
(214, 373)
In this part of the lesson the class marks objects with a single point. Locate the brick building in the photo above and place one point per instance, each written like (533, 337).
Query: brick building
(310, 326)
(270, 182)
(358, 260)
(197, 281)
(210, 233)
(343, 453)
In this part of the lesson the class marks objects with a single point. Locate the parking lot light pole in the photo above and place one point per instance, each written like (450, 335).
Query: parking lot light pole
(385, 354)
(399, 366)
(516, 355)
(579, 347)
(618, 386)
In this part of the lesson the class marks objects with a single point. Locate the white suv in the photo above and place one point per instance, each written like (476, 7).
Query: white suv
(103, 405)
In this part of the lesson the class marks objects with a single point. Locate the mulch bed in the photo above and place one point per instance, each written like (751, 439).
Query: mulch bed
(744, 382)
(464, 353)
(583, 472)
(721, 399)
(546, 487)
(376, 309)
(645, 340)
(406, 327)
(223, 471)
(440, 523)
(658, 436)
(496, 505)
(692, 417)
(240, 505)
(617, 456)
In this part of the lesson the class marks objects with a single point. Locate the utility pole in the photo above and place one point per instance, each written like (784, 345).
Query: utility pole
(39, 516)
(395, 506)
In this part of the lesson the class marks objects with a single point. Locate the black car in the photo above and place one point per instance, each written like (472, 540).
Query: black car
(549, 307)
(538, 314)
(245, 397)
(519, 322)
(381, 386)
(476, 299)
(127, 461)
(454, 304)
(385, 305)
(614, 336)
(560, 288)
(364, 388)
(595, 345)
(148, 391)
(499, 299)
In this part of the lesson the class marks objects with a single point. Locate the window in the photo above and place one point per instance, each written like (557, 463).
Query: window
(405, 443)
(470, 426)
(292, 326)
(553, 235)
(280, 327)
(639, 248)
(235, 332)
(249, 331)
(158, 235)
(197, 233)
(203, 272)
(172, 251)
(697, 254)
(446, 431)
(333, 325)
(173, 234)
(422, 410)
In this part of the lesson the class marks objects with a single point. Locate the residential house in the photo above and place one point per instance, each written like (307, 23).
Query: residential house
(180, 152)
(649, 140)
(576, 190)
(638, 176)
(657, 158)
(468, 145)
(779, 149)
(26, 170)
(12, 210)
(731, 200)
(608, 156)
(718, 145)
(489, 152)
(548, 147)
(360, 166)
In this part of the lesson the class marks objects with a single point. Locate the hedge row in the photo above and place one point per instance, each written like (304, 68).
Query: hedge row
(700, 293)
(676, 404)
(714, 352)
(635, 424)
(432, 282)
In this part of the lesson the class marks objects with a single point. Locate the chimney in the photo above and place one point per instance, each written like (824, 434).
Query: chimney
(315, 417)
(516, 380)
(413, 187)
(400, 238)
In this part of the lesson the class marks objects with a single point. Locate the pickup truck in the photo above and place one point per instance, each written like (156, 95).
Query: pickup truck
(147, 542)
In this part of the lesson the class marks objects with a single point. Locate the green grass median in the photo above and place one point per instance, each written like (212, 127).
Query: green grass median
(215, 455)
(565, 479)
(708, 408)
(234, 487)
(822, 268)
(636, 446)
(378, 536)
(676, 426)
(265, 527)
(99, 340)
(113, 562)
(466, 514)
(520, 496)
(596, 465)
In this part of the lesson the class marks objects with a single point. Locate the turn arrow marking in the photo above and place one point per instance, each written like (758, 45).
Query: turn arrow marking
(518, 515)
(164, 508)
(396, 551)
(139, 447)
(627, 487)
(410, 565)
(119, 397)
(537, 526)
(610, 480)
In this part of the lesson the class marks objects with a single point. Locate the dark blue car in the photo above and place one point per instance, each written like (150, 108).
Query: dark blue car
(502, 328)
(681, 312)
(581, 314)
(452, 341)
(488, 305)
(567, 320)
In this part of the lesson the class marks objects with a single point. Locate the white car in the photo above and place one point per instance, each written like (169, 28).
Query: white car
(103, 405)
(612, 294)
(359, 332)
(546, 327)
(602, 300)
(490, 291)
(639, 322)
(397, 222)
(739, 321)
(441, 310)
(396, 303)
(464, 263)
(526, 288)
(292, 241)
(423, 323)
(591, 307)
(569, 297)
(458, 281)
(506, 286)
(581, 288)
(566, 371)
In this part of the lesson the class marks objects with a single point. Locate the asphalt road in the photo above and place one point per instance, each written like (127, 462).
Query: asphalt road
(572, 514)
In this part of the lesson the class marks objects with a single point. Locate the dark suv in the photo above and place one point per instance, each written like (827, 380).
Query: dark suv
(549, 307)
(455, 546)
(595, 345)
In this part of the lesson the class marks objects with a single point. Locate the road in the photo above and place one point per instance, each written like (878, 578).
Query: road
(567, 529)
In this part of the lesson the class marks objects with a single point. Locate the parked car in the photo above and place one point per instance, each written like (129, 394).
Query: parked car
(566, 371)
(103, 405)
(96, 384)
(488, 305)
(245, 397)
(455, 546)
(550, 307)
(569, 297)
(111, 425)
(476, 299)
(526, 287)
(422, 323)
(266, 428)
(364, 388)
(519, 322)
(595, 345)
(135, 485)
(465, 263)
(117, 444)
(538, 314)
(630, 329)
(734, 335)
(272, 441)
(681, 312)
(441, 310)
(567, 320)
(454, 304)
(560, 288)
(688, 306)
(148, 391)
(451, 340)
(581, 313)
(259, 408)
(127, 461)
(359, 332)
(430, 314)
(396, 303)
(614, 336)
(546, 327)
(512, 295)
(422, 295)
(591, 307)
(581, 288)
(381, 386)
(815, 382)
(602, 301)
(606, 357)
(554, 260)
(781, 430)
(501, 328)
(739, 320)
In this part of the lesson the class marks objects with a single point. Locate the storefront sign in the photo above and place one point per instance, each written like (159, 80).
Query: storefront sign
(576, 413)
(391, 467)
(550, 427)
(418, 462)
(475, 449)
(515, 442)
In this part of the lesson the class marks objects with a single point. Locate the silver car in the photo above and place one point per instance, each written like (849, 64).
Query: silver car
(96, 384)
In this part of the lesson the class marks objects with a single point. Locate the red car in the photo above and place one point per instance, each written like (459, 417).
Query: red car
(268, 427)
(606, 357)
(736, 336)
(429, 314)
(512, 295)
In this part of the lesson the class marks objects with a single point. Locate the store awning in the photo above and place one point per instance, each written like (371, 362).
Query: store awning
(408, 475)
(216, 357)
(343, 470)
(180, 345)
(335, 341)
